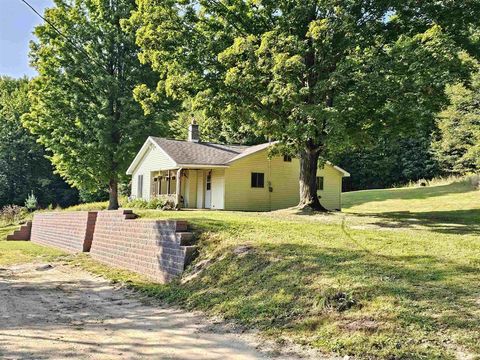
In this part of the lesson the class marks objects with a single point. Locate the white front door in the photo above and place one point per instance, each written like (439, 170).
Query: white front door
(208, 191)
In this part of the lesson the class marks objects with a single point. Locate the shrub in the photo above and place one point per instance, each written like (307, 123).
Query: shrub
(475, 181)
(31, 202)
(156, 203)
(11, 214)
(422, 183)
(136, 203)
(164, 202)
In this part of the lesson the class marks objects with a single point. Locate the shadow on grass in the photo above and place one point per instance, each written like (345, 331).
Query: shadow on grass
(446, 222)
(277, 286)
(284, 285)
(365, 196)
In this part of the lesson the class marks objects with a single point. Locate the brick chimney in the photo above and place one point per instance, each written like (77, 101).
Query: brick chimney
(193, 132)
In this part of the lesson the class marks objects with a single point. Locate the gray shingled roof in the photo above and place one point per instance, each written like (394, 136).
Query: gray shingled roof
(251, 150)
(201, 153)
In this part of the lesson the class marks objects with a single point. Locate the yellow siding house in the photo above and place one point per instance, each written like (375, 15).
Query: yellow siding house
(225, 177)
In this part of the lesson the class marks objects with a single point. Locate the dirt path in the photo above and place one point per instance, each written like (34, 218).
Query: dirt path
(60, 312)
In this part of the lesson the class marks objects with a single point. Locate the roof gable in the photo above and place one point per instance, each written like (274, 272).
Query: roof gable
(149, 144)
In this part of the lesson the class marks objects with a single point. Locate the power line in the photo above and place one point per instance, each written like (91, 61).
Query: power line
(66, 37)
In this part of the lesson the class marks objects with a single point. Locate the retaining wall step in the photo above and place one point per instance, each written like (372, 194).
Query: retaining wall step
(184, 238)
(181, 226)
(22, 234)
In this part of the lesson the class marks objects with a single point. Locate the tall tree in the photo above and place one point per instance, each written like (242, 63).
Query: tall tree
(23, 166)
(458, 145)
(316, 75)
(83, 109)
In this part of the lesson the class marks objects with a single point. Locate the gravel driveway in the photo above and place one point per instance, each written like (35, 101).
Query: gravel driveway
(57, 312)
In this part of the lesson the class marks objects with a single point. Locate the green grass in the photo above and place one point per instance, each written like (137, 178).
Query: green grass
(101, 205)
(446, 208)
(18, 252)
(370, 282)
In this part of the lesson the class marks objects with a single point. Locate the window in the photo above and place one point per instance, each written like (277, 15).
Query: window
(287, 158)
(140, 187)
(257, 180)
(319, 182)
(209, 181)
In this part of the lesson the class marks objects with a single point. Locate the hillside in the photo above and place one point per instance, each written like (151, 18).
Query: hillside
(394, 276)
(449, 207)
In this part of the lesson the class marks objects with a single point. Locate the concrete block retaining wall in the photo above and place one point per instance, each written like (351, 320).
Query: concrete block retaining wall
(158, 249)
(69, 231)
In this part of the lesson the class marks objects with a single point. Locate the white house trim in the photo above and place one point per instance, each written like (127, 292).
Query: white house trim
(138, 157)
(338, 168)
(141, 153)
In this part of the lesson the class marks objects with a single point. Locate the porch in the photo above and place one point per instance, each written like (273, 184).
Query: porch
(190, 187)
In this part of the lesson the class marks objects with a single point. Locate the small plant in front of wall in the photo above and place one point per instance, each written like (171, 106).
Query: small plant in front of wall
(31, 203)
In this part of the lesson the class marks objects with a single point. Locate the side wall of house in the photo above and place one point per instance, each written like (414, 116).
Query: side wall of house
(239, 195)
(153, 160)
(281, 178)
(331, 195)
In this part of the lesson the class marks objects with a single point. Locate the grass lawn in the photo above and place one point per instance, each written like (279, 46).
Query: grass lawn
(395, 276)
(17, 252)
(446, 208)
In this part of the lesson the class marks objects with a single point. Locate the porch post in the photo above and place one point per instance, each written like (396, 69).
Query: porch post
(168, 184)
(178, 187)
(160, 178)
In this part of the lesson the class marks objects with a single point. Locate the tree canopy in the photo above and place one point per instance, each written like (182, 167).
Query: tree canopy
(23, 166)
(83, 110)
(458, 145)
(319, 76)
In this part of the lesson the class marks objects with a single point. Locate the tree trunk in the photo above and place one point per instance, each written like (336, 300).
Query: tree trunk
(113, 195)
(308, 180)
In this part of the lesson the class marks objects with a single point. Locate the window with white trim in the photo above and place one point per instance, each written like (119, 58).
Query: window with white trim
(140, 186)
(209, 181)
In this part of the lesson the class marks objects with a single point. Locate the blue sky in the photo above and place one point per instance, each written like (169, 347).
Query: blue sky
(16, 25)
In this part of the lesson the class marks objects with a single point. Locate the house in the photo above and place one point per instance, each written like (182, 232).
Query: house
(230, 177)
